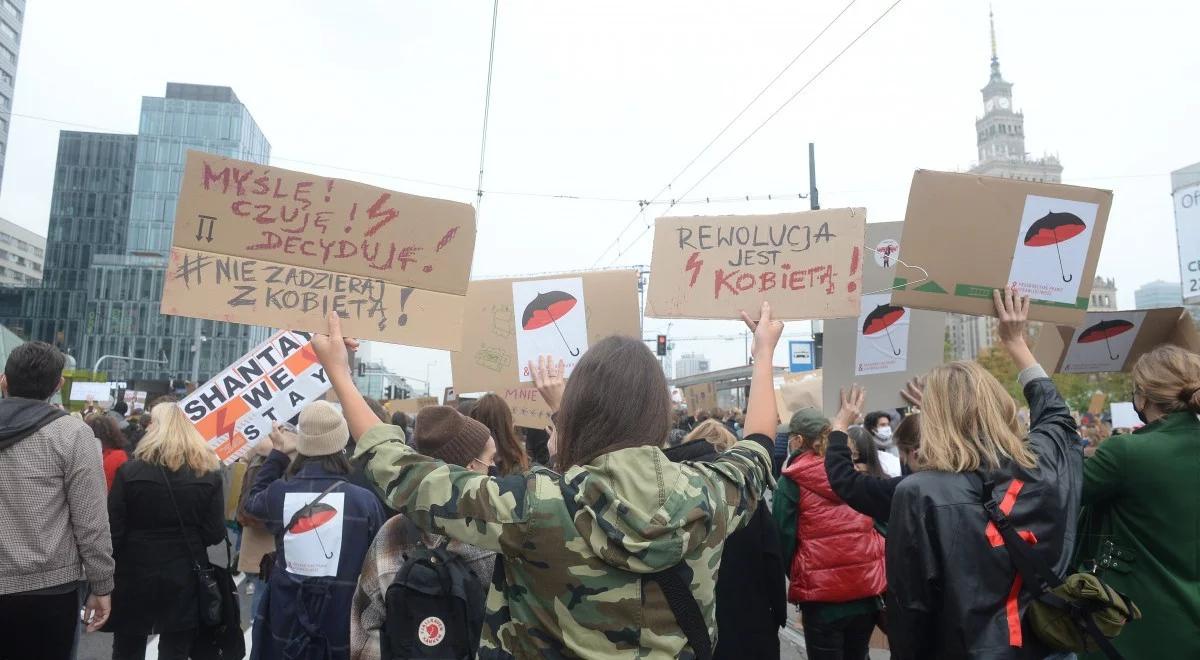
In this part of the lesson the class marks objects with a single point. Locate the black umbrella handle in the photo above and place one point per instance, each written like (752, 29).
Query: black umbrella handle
(574, 351)
(1065, 276)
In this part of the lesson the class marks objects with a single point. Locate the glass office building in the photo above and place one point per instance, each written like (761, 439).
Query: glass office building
(12, 17)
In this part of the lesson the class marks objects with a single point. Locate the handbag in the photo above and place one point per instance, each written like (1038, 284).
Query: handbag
(1080, 613)
(267, 563)
(208, 590)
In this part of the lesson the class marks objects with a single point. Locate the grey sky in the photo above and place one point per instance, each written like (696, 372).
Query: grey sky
(612, 99)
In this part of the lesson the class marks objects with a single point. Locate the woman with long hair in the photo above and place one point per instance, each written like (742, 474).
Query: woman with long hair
(601, 555)
(953, 589)
(494, 413)
(112, 444)
(864, 453)
(713, 432)
(172, 481)
(1140, 493)
(865, 491)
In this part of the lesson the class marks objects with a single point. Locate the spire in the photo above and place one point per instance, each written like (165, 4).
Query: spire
(995, 57)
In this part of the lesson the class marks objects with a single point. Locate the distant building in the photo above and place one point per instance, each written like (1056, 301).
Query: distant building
(376, 381)
(1158, 294)
(1000, 139)
(690, 364)
(1104, 295)
(22, 254)
(12, 17)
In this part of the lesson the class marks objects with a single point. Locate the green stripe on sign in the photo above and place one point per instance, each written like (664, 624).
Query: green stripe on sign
(977, 291)
(899, 283)
(930, 287)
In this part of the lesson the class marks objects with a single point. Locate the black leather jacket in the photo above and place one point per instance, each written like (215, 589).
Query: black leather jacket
(950, 584)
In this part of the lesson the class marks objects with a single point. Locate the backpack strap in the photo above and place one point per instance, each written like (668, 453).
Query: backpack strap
(1036, 573)
(675, 588)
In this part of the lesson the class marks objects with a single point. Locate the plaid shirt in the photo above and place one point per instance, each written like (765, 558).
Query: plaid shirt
(54, 500)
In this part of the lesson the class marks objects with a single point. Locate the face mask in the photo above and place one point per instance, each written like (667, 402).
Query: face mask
(884, 433)
(492, 471)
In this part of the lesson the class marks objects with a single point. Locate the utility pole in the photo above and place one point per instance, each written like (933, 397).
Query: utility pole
(813, 202)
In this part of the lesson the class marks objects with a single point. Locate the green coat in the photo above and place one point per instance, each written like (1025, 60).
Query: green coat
(1142, 493)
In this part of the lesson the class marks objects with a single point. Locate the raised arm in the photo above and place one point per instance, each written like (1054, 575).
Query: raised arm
(333, 350)
(1046, 406)
(762, 417)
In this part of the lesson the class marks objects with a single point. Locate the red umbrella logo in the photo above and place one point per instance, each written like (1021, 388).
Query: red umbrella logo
(881, 319)
(1052, 229)
(546, 309)
(1105, 330)
(309, 518)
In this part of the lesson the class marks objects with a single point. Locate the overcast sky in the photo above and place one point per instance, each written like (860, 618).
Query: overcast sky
(611, 100)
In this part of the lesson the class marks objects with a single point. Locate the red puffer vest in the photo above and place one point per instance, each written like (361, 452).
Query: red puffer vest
(839, 555)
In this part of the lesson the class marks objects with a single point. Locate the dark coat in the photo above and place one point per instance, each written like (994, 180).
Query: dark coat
(156, 588)
(868, 495)
(307, 617)
(1142, 492)
(950, 581)
(752, 600)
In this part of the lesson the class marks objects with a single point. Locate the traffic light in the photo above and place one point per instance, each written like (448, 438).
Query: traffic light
(662, 346)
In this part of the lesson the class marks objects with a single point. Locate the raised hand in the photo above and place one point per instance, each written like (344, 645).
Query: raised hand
(1013, 311)
(914, 391)
(548, 377)
(332, 349)
(766, 332)
(850, 409)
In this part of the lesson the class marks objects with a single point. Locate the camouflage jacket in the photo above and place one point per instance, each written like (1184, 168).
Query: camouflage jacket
(573, 587)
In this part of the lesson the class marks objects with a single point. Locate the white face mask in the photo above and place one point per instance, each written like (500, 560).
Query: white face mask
(884, 432)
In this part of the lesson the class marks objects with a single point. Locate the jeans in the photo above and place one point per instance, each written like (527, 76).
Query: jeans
(38, 626)
(848, 638)
(171, 645)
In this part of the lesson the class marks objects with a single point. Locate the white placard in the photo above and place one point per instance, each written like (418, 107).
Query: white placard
(1124, 416)
(1052, 248)
(1187, 231)
(882, 344)
(1103, 343)
(551, 319)
(99, 392)
(314, 546)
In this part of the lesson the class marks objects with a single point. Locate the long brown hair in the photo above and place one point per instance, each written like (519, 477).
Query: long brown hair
(1169, 377)
(106, 431)
(493, 412)
(616, 398)
(969, 422)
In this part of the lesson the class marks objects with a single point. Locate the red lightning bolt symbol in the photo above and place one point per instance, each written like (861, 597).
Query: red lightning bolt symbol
(222, 427)
(378, 211)
(694, 264)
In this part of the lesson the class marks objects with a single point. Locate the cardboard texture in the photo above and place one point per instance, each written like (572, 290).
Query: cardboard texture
(267, 246)
(1096, 405)
(807, 265)
(487, 361)
(234, 410)
(409, 406)
(923, 339)
(528, 408)
(973, 234)
(700, 397)
(797, 391)
(1059, 350)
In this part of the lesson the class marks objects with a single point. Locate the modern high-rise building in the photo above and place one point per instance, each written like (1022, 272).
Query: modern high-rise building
(1104, 295)
(22, 254)
(1000, 139)
(1158, 294)
(690, 364)
(12, 17)
(111, 220)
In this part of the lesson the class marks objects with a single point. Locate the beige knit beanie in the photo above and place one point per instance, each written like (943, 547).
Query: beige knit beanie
(323, 430)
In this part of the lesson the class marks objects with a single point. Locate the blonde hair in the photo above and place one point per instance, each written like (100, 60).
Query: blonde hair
(716, 433)
(173, 442)
(969, 422)
(1169, 377)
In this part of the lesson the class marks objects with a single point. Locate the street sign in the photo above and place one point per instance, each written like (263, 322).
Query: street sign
(800, 355)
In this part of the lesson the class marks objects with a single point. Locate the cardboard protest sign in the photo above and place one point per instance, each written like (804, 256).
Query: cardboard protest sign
(99, 392)
(234, 410)
(528, 408)
(448, 396)
(1113, 341)
(410, 406)
(1096, 405)
(797, 391)
(807, 265)
(1124, 416)
(552, 321)
(974, 234)
(700, 397)
(488, 360)
(887, 344)
(263, 245)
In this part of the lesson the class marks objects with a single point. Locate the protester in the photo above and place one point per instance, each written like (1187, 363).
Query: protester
(493, 412)
(257, 541)
(837, 574)
(580, 548)
(537, 446)
(117, 414)
(447, 436)
(866, 456)
(319, 548)
(953, 589)
(808, 427)
(112, 445)
(879, 425)
(56, 542)
(166, 506)
(908, 441)
(1095, 435)
(1140, 490)
(403, 421)
(136, 429)
(752, 591)
(866, 494)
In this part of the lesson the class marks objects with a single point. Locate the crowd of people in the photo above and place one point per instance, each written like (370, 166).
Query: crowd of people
(628, 528)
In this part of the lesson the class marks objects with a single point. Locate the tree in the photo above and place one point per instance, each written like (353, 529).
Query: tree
(1076, 389)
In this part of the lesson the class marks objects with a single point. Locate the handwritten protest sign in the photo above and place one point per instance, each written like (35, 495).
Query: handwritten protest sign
(263, 245)
(528, 408)
(1096, 405)
(700, 397)
(797, 391)
(234, 410)
(410, 406)
(973, 234)
(94, 391)
(1113, 341)
(807, 265)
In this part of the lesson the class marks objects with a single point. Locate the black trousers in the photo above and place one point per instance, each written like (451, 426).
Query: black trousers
(171, 646)
(848, 638)
(38, 626)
